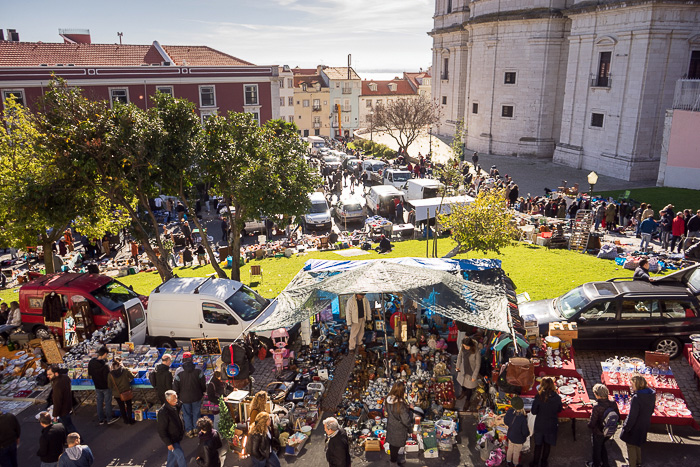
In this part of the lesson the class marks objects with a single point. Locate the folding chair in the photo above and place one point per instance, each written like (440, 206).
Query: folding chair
(324, 243)
(256, 270)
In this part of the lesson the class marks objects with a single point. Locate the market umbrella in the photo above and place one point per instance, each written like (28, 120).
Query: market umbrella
(444, 292)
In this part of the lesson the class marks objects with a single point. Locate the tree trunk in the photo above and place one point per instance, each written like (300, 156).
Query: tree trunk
(235, 242)
(205, 240)
(48, 254)
(161, 264)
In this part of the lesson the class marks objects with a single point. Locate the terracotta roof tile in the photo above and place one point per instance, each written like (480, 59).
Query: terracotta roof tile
(403, 88)
(304, 71)
(340, 72)
(309, 80)
(28, 54)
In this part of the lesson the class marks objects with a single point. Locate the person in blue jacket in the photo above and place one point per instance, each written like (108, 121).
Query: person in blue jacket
(646, 230)
(636, 426)
(518, 431)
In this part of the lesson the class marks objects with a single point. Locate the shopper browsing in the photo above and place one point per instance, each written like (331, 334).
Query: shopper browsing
(190, 385)
(356, 312)
(171, 429)
(468, 367)
(263, 442)
(603, 424)
(209, 444)
(98, 370)
(337, 447)
(636, 426)
(399, 421)
(546, 408)
(76, 455)
(518, 431)
(51, 440)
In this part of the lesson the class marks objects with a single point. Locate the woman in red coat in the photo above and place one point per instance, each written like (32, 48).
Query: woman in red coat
(677, 230)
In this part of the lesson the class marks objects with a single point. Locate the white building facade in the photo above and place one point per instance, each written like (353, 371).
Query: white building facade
(286, 94)
(587, 85)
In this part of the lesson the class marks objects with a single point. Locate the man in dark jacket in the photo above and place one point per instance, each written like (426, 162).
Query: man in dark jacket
(62, 397)
(238, 354)
(642, 271)
(9, 439)
(171, 429)
(98, 370)
(51, 440)
(161, 378)
(597, 425)
(190, 385)
(337, 451)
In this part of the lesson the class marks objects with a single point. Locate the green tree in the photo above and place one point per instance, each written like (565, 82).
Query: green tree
(260, 171)
(113, 152)
(483, 225)
(40, 199)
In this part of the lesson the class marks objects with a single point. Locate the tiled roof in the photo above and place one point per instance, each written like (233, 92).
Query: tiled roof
(309, 80)
(402, 88)
(28, 54)
(304, 71)
(416, 78)
(340, 72)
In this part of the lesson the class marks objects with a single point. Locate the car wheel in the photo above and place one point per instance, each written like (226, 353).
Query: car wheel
(668, 345)
(166, 343)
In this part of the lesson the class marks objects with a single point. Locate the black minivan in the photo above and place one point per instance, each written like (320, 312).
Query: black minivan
(623, 314)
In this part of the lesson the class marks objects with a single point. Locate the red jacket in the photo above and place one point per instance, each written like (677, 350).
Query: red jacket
(678, 227)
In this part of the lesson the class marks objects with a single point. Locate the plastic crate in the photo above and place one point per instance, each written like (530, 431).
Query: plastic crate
(81, 382)
(142, 381)
(151, 415)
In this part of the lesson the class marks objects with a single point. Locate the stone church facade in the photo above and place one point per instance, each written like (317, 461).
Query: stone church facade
(583, 83)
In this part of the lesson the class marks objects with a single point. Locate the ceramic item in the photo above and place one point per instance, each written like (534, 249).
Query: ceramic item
(567, 390)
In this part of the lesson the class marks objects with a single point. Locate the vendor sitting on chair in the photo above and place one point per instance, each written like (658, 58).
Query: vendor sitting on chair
(384, 245)
(14, 319)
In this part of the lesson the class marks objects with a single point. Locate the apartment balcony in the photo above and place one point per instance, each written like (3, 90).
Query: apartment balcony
(687, 96)
(347, 90)
(316, 108)
(317, 124)
(601, 81)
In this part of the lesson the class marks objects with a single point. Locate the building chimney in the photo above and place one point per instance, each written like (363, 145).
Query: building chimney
(12, 35)
(75, 36)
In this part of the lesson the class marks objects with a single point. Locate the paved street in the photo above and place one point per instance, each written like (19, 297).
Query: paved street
(139, 445)
(531, 175)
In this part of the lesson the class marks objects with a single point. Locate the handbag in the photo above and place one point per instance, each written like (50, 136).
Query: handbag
(520, 372)
(123, 396)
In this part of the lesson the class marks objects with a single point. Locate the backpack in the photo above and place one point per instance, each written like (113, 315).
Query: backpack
(152, 378)
(610, 421)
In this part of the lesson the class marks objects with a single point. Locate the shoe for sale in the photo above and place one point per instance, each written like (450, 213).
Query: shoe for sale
(112, 420)
(102, 422)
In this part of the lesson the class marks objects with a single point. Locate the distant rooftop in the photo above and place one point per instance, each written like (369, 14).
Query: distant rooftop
(340, 72)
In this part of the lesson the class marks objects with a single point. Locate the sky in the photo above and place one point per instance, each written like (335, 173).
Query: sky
(385, 37)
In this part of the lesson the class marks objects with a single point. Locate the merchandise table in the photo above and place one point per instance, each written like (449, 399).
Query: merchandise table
(84, 392)
(660, 383)
(568, 366)
(694, 363)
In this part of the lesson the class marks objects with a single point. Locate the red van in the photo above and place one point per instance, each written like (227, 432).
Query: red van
(108, 298)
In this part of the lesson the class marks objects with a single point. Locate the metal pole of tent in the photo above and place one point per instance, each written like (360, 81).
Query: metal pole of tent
(386, 340)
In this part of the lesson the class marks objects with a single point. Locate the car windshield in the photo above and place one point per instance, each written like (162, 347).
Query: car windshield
(401, 176)
(572, 302)
(113, 294)
(330, 159)
(352, 207)
(318, 208)
(377, 167)
(247, 304)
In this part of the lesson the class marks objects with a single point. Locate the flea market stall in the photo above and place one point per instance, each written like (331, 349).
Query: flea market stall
(431, 295)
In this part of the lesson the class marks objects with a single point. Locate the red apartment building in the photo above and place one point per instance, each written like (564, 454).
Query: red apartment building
(216, 82)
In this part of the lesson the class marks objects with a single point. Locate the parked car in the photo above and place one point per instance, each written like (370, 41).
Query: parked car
(319, 215)
(331, 161)
(374, 169)
(349, 210)
(690, 277)
(421, 188)
(381, 200)
(108, 299)
(624, 314)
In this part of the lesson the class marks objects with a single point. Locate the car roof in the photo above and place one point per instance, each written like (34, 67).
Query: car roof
(398, 171)
(386, 189)
(63, 281)
(633, 289)
(207, 287)
(317, 196)
(425, 182)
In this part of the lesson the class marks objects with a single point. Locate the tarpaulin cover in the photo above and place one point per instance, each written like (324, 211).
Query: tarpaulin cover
(439, 284)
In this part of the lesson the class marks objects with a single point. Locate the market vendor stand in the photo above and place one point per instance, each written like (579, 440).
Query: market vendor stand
(693, 361)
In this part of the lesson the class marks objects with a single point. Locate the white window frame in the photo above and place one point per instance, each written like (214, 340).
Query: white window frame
(290, 82)
(213, 89)
(256, 115)
(507, 105)
(282, 83)
(111, 95)
(305, 103)
(597, 128)
(19, 93)
(172, 91)
(368, 103)
(282, 102)
(204, 114)
(316, 103)
(257, 96)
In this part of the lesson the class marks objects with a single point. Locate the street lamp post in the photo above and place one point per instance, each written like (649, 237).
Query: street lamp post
(371, 130)
(430, 141)
(592, 180)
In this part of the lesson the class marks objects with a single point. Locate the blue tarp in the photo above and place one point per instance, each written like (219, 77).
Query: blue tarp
(440, 264)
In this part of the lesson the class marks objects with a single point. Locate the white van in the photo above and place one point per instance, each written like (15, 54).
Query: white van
(380, 200)
(396, 177)
(422, 188)
(185, 308)
(319, 216)
(316, 143)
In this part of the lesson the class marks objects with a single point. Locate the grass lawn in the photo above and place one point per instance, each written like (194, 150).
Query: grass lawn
(541, 272)
(659, 197)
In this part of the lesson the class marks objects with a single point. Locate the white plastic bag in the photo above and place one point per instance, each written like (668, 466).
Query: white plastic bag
(531, 427)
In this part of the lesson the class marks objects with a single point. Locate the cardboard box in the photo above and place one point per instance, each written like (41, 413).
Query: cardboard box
(567, 332)
(431, 453)
(658, 360)
(411, 448)
(373, 445)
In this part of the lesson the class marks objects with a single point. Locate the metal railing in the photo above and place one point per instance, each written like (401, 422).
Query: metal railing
(601, 81)
(317, 124)
(347, 90)
(316, 108)
(687, 96)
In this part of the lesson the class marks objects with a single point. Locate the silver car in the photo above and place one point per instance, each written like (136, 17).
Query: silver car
(349, 210)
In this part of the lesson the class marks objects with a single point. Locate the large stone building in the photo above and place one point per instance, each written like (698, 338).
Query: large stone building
(216, 82)
(585, 83)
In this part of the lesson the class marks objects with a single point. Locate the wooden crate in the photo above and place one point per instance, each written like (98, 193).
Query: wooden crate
(658, 360)
(373, 445)
(567, 332)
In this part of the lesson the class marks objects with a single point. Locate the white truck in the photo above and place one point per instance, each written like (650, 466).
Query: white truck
(396, 177)
(315, 143)
(421, 188)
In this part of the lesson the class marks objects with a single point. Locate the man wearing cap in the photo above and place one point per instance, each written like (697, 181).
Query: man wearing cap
(190, 386)
(356, 311)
